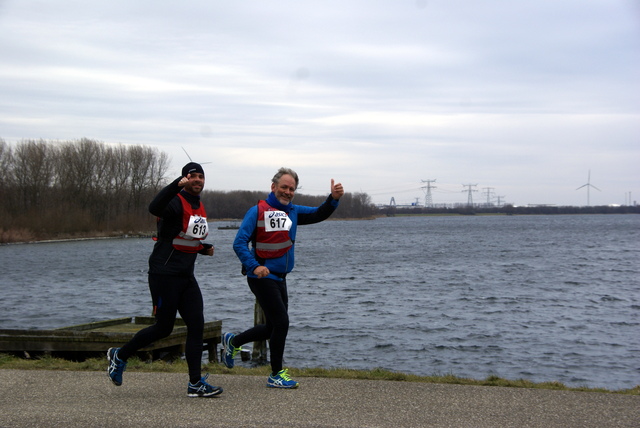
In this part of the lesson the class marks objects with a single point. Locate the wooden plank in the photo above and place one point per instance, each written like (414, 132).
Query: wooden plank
(99, 336)
(98, 324)
(152, 320)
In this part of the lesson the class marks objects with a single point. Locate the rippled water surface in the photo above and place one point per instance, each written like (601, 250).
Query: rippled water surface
(546, 298)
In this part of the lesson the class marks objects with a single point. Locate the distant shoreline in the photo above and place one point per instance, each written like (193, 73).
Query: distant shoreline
(21, 236)
(84, 238)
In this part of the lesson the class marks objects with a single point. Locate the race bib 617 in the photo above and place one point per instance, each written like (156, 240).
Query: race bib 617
(276, 221)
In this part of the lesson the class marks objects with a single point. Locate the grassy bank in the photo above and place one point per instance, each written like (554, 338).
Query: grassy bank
(179, 366)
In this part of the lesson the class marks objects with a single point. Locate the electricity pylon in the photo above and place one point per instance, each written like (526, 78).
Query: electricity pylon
(488, 193)
(470, 198)
(427, 198)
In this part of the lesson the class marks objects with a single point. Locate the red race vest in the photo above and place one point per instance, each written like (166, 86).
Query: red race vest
(194, 228)
(272, 232)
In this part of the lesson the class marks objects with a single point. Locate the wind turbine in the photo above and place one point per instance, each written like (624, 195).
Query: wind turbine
(588, 185)
(191, 160)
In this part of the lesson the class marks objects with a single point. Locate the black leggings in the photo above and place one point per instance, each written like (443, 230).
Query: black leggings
(273, 299)
(171, 294)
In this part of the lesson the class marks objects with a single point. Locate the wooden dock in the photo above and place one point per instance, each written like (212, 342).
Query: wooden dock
(82, 341)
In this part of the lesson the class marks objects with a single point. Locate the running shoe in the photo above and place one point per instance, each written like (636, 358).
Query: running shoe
(281, 380)
(230, 351)
(202, 388)
(116, 366)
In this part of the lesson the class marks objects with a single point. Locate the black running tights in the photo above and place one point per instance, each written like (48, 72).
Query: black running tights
(273, 299)
(172, 294)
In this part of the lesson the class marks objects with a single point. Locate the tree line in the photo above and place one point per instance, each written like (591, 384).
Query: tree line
(234, 204)
(86, 187)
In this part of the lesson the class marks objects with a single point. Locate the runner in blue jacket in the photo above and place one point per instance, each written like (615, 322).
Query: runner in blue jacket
(265, 245)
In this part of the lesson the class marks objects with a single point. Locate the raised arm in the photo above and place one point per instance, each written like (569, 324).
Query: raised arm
(164, 197)
(324, 211)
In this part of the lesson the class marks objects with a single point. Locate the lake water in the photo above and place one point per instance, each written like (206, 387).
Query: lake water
(545, 298)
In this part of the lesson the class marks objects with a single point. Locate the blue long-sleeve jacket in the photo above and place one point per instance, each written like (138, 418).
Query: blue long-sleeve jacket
(299, 215)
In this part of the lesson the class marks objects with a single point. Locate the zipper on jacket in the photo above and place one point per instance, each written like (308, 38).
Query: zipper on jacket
(170, 254)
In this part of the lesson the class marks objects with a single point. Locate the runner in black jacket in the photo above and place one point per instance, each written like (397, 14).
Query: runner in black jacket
(181, 227)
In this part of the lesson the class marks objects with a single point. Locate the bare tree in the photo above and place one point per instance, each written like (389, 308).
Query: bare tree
(33, 171)
(140, 167)
(6, 160)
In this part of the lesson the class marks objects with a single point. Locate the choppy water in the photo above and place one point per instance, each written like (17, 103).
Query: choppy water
(544, 298)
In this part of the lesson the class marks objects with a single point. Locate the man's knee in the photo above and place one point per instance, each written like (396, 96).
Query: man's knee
(281, 323)
(164, 328)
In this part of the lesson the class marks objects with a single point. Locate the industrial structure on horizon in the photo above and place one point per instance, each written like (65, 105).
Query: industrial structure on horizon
(489, 199)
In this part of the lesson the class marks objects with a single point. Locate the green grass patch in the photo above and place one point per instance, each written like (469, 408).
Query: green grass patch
(8, 361)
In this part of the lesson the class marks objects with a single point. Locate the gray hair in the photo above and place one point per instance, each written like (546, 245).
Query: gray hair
(282, 171)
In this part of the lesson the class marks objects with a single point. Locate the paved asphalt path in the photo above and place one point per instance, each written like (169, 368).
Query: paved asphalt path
(30, 398)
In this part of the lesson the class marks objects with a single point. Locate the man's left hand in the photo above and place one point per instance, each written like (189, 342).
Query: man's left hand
(336, 190)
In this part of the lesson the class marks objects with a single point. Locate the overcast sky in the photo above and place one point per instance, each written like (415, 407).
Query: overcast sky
(522, 98)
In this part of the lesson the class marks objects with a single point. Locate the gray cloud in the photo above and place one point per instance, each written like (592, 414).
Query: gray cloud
(523, 97)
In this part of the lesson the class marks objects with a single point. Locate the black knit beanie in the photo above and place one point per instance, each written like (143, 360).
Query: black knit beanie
(192, 167)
